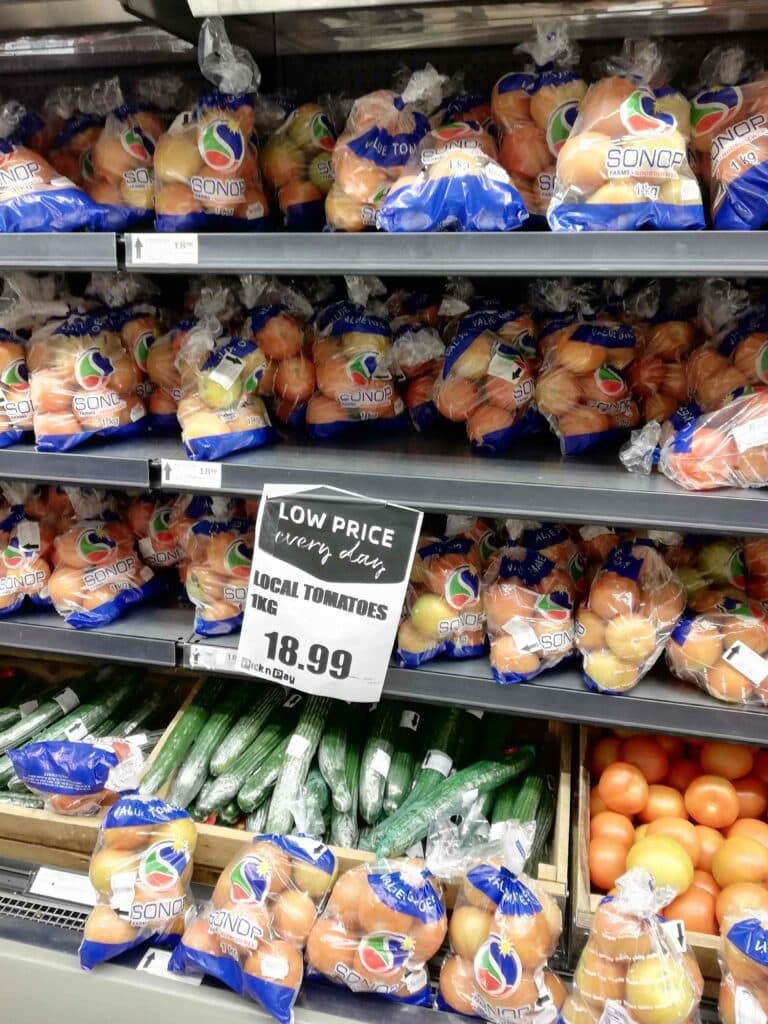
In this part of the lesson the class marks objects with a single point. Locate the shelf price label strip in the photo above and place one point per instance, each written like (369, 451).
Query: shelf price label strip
(330, 571)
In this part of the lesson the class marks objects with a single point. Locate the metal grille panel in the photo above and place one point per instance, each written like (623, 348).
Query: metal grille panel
(26, 909)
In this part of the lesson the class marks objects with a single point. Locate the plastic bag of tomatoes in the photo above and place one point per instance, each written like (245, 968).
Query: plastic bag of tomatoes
(634, 964)
(79, 778)
(206, 166)
(81, 112)
(454, 182)
(625, 164)
(729, 131)
(252, 935)
(381, 134)
(97, 573)
(534, 112)
(486, 380)
(744, 966)
(141, 869)
(217, 413)
(15, 401)
(150, 518)
(35, 196)
(503, 930)
(634, 603)
(27, 549)
(443, 612)
(217, 563)
(381, 925)
(722, 648)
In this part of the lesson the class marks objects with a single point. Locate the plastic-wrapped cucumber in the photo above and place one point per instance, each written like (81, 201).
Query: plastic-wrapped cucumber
(344, 827)
(403, 766)
(331, 759)
(376, 759)
(261, 782)
(217, 792)
(229, 815)
(299, 754)
(248, 727)
(256, 821)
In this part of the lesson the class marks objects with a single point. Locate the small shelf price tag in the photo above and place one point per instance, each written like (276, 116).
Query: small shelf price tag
(155, 961)
(162, 249)
(186, 473)
(213, 659)
(330, 571)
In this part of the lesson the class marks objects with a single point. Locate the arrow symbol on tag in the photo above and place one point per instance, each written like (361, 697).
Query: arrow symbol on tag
(733, 653)
(137, 247)
(167, 471)
(148, 960)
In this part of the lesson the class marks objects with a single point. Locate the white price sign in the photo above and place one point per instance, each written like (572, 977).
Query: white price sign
(187, 473)
(330, 571)
(213, 659)
(161, 250)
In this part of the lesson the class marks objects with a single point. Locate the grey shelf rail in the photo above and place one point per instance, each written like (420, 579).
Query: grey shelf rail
(122, 464)
(515, 254)
(65, 251)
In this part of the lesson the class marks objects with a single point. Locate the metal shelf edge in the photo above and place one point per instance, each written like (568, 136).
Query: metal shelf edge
(59, 251)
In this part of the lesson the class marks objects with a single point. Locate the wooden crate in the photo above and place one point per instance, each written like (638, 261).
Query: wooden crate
(585, 902)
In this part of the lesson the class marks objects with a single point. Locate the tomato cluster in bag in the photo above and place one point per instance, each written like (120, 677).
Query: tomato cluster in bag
(744, 967)
(383, 922)
(141, 869)
(27, 533)
(264, 905)
(297, 165)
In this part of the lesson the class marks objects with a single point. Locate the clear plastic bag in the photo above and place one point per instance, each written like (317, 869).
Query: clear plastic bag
(380, 136)
(83, 383)
(728, 120)
(453, 182)
(79, 777)
(81, 110)
(417, 353)
(253, 934)
(744, 966)
(141, 869)
(486, 380)
(217, 413)
(443, 612)
(207, 164)
(625, 164)
(150, 516)
(97, 573)
(503, 930)
(298, 167)
(27, 548)
(218, 553)
(534, 111)
(15, 399)
(634, 966)
(382, 923)
(36, 195)
(634, 603)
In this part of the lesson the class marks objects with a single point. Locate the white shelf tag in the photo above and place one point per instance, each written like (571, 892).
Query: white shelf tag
(155, 961)
(186, 473)
(213, 659)
(747, 662)
(64, 885)
(161, 249)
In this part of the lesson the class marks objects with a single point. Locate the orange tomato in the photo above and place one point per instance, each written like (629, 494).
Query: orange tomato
(604, 752)
(681, 774)
(731, 760)
(753, 796)
(596, 802)
(624, 788)
(740, 859)
(760, 765)
(735, 899)
(610, 825)
(673, 746)
(750, 827)
(704, 880)
(680, 829)
(646, 754)
(607, 860)
(663, 802)
(695, 908)
(712, 800)
(710, 840)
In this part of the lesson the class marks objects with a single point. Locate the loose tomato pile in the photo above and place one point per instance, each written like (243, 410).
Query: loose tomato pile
(692, 813)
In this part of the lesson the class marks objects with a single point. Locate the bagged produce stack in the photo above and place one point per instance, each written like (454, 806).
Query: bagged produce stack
(534, 112)
(264, 906)
(743, 961)
(207, 164)
(26, 543)
(80, 111)
(141, 869)
(625, 164)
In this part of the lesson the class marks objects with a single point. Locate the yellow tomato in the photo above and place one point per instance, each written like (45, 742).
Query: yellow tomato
(664, 859)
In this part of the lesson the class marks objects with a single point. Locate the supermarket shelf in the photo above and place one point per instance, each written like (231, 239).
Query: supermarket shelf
(659, 703)
(50, 251)
(146, 636)
(536, 481)
(123, 464)
(522, 254)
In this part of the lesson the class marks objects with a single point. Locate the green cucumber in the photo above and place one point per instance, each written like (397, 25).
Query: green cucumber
(442, 741)
(229, 815)
(505, 801)
(528, 798)
(225, 787)
(545, 817)
(21, 799)
(256, 821)
(182, 737)
(376, 759)
(298, 757)
(403, 766)
(468, 746)
(261, 782)
(331, 759)
(48, 712)
(142, 712)
(247, 727)
(8, 717)
(316, 789)
(194, 769)
(451, 796)
(344, 827)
